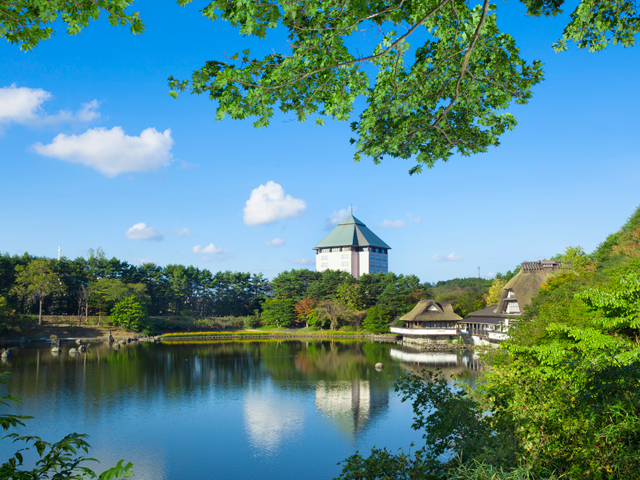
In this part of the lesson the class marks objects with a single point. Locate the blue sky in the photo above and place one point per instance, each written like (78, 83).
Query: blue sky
(568, 174)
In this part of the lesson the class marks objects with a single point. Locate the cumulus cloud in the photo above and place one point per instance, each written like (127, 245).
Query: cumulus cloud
(413, 219)
(336, 217)
(88, 112)
(21, 104)
(111, 152)
(452, 257)
(210, 249)
(276, 242)
(24, 105)
(269, 203)
(303, 261)
(183, 232)
(491, 274)
(392, 224)
(140, 231)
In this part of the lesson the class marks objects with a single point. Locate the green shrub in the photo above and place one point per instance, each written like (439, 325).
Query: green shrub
(377, 319)
(128, 314)
(279, 312)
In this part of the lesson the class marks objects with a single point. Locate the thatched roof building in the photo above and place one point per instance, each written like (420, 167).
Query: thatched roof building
(431, 314)
(517, 293)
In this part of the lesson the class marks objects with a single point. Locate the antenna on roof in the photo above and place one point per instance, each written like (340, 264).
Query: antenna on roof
(352, 209)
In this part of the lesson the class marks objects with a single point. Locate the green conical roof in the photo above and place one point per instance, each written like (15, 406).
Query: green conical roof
(351, 232)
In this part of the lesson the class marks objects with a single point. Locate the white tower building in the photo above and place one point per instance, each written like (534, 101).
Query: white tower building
(352, 247)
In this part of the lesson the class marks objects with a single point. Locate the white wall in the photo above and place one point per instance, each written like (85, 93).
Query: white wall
(356, 263)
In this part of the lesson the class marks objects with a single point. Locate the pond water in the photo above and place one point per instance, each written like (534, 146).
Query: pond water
(226, 409)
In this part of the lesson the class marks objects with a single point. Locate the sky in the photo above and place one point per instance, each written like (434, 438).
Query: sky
(95, 153)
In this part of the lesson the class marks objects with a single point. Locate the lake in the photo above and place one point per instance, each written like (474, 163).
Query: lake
(224, 409)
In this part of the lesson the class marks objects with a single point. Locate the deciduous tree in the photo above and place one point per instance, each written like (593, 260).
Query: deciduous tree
(28, 22)
(280, 312)
(332, 310)
(304, 308)
(37, 281)
(447, 93)
(128, 314)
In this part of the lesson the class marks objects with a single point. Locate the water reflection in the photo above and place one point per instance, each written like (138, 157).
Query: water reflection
(271, 421)
(249, 406)
(350, 406)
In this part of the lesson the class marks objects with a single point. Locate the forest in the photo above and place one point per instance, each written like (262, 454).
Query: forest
(93, 286)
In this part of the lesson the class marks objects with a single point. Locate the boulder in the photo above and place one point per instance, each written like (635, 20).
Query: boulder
(56, 350)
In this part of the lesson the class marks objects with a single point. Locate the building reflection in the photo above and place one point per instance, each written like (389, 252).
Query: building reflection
(350, 406)
(464, 365)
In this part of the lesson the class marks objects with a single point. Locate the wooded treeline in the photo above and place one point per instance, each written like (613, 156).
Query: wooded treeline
(94, 285)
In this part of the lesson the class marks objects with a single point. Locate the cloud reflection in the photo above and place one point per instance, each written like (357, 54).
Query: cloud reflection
(270, 421)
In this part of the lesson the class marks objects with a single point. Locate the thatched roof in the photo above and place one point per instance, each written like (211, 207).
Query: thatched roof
(431, 311)
(525, 286)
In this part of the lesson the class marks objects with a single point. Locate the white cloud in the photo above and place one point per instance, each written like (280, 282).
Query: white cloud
(276, 242)
(183, 232)
(413, 219)
(452, 257)
(21, 104)
(303, 261)
(88, 111)
(24, 105)
(392, 224)
(186, 165)
(269, 203)
(210, 249)
(337, 216)
(111, 152)
(140, 231)
(491, 274)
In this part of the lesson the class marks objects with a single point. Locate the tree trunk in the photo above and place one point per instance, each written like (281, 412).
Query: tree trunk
(40, 314)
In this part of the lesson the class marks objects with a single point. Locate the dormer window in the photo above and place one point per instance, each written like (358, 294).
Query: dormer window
(513, 308)
(433, 308)
(510, 293)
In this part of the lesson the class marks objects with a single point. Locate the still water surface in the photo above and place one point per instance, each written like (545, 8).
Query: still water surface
(232, 410)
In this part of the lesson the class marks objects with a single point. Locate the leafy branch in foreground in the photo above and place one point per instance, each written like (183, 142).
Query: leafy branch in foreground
(448, 95)
(26, 22)
(58, 460)
(444, 100)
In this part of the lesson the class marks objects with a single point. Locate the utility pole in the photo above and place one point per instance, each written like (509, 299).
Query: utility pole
(59, 250)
